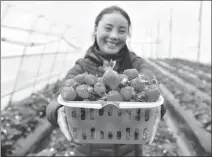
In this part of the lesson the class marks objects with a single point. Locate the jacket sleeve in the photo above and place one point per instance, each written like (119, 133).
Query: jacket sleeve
(139, 64)
(51, 110)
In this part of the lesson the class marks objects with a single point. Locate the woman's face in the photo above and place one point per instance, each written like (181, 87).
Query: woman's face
(111, 33)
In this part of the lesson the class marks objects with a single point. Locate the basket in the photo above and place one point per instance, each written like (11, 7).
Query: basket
(112, 122)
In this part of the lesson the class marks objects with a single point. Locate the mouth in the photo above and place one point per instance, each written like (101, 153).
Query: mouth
(111, 44)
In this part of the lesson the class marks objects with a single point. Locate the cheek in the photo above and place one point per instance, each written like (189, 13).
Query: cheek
(123, 38)
(100, 41)
(101, 35)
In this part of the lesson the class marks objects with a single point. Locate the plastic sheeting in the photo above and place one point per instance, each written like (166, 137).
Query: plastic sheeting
(27, 67)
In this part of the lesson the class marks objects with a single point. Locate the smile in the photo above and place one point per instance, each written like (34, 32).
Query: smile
(110, 44)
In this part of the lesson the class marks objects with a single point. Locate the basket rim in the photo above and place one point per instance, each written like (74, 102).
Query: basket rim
(121, 105)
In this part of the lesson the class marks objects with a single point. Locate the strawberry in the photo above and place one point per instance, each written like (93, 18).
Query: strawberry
(84, 91)
(141, 76)
(80, 78)
(114, 96)
(100, 79)
(90, 79)
(110, 77)
(124, 79)
(127, 92)
(100, 88)
(154, 83)
(131, 73)
(140, 97)
(137, 84)
(152, 94)
(70, 82)
(68, 94)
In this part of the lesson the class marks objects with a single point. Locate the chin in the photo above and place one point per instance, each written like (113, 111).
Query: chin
(109, 51)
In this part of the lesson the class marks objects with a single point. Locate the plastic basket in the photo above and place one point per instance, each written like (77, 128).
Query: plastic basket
(112, 122)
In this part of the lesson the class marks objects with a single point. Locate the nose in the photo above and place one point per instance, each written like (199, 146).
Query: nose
(114, 35)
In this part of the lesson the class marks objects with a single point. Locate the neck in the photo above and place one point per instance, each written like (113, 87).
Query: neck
(120, 53)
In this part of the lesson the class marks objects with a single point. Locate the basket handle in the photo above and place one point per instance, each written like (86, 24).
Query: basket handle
(111, 103)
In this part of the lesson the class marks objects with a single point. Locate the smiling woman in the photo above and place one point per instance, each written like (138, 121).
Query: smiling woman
(111, 30)
(111, 33)
(29, 67)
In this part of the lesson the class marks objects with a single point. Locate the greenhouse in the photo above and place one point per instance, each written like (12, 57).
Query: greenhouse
(48, 47)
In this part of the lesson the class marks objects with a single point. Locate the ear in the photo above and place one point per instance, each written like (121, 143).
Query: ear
(128, 40)
(129, 36)
(95, 31)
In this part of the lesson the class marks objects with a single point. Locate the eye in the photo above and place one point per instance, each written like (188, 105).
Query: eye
(107, 29)
(122, 31)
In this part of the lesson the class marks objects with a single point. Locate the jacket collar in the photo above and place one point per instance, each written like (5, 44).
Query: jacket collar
(122, 58)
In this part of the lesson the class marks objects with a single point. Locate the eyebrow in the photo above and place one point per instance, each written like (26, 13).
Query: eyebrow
(112, 26)
(109, 24)
(123, 27)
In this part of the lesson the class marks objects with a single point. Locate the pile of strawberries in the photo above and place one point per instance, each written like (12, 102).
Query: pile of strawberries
(112, 86)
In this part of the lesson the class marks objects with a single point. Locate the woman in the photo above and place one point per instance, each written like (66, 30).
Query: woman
(112, 28)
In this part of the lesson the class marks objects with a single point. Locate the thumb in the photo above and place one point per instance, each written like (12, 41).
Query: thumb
(63, 124)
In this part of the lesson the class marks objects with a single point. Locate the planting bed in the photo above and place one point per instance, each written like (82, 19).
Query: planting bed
(201, 84)
(188, 99)
(195, 70)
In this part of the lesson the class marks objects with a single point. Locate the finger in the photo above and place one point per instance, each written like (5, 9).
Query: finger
(64, 129)
(62, 122)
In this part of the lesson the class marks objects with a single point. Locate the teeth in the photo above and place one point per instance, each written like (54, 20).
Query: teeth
(111, 44)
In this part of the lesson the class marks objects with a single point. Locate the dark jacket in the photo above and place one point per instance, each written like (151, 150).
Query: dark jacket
(90, 63)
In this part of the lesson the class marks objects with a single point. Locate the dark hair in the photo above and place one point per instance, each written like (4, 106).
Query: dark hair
(112, 9)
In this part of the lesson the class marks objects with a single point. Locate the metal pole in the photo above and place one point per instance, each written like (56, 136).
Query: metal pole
(147, 33)
(29, 84)
(5, 12)
(53, 64)
(28, 30)
(27, 44)
(40, 62)
(170, 39)
(63, 66)
(151, 44)
(31, 55)
(21, 61)
(65, 57)
(200, 32)
(142, 50)
(158, 38)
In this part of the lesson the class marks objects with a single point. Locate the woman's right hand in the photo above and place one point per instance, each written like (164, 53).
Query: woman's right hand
(63, 124)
